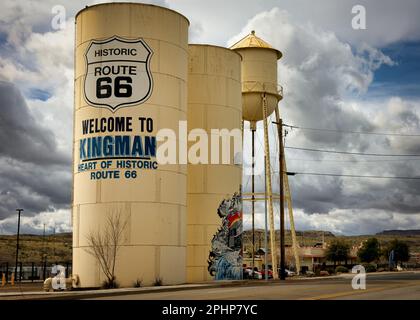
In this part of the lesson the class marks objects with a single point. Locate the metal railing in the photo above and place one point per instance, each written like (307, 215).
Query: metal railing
(257, 86)
(31, 271)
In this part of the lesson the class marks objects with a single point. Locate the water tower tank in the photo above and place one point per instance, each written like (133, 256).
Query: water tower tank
(130, 82)
(214, 102)
(259, 76)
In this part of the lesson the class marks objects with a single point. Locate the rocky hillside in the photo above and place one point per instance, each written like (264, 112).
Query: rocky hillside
(57, 248)
(405, 233)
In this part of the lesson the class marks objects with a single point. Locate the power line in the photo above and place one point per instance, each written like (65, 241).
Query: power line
(353, 161)
(355, 132)
(355, 176)
(356, 153)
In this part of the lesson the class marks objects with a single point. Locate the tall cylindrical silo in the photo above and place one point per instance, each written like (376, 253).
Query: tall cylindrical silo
(130, 82)
(214, 203)
(259, 76)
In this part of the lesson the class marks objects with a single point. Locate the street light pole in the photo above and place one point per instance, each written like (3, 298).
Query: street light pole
(17, 241)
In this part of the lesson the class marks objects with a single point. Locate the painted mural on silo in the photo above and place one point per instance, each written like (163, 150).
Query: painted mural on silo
(225, 258)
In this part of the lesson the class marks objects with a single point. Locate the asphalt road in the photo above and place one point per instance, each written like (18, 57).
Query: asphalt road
(404, 285)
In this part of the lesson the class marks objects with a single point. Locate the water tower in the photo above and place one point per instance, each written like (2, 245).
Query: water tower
(259, 77)
(260, 96)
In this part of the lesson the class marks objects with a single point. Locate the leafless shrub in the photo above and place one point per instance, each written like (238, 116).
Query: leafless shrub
(158, 282)
(105, 244)
(137, 283)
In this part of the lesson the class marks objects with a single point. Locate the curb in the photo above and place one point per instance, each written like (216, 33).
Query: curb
(70, 295)
(86, 294)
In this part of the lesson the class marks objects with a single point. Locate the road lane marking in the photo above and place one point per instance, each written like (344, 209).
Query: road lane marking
(219, 291)
(356, 292)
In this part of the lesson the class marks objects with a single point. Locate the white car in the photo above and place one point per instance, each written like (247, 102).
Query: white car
(258, 275)
(290, 273)
(253, 274)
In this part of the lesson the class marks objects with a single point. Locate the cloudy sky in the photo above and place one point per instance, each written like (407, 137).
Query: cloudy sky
(334, 77)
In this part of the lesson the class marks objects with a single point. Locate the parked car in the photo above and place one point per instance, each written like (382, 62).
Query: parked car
(247, 273)
(269, 272)
(288, 272)
(258, 275)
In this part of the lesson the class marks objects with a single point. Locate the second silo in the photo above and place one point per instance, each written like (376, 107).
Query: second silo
(214, 203)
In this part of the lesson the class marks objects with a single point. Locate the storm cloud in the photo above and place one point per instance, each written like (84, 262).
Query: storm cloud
(326, 84)
(34, 174)
(327, 72)
(21, 137)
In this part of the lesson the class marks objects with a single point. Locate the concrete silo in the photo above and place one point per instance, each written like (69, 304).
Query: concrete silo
(214, 202)
(130, 81)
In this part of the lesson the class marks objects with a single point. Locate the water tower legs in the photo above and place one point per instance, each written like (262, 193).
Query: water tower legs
(253, 126)
(269, 188)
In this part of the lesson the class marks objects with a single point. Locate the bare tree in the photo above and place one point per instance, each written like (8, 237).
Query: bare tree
(105, 244)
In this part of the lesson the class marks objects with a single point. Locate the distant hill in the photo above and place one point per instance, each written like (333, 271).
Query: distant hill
(315, 233)
(414, 232)
(56, 247)
(306, 233)
(305, 238)
(313, 237)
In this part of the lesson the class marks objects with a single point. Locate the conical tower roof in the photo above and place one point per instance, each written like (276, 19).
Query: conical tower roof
(252, 41)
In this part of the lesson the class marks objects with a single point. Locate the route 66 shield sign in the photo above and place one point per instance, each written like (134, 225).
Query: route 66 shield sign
(117, 73)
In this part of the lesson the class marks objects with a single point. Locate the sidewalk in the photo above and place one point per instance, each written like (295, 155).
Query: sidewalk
(39, 294)
(83, 294)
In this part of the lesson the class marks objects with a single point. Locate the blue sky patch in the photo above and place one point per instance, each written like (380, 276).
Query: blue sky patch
(402, 79)
(38, 94)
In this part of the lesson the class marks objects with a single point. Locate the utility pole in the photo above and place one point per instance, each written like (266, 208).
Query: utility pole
(281, 167)
(54, 243)
(44, 255)
(43, 242)
(17, 241)
(282, 244)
